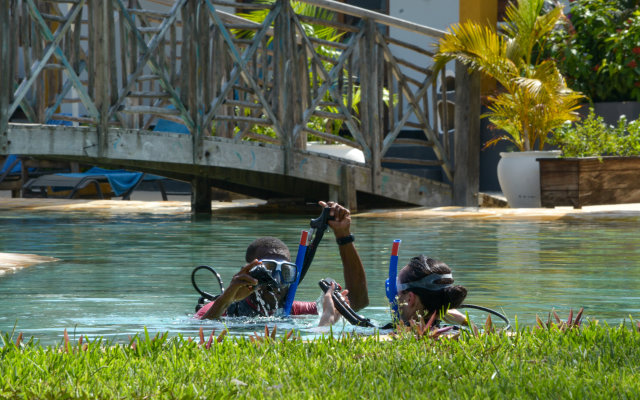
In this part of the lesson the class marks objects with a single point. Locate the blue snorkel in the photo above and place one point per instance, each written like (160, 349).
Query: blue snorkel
(302, 251)
(309, 242)
(390, 284)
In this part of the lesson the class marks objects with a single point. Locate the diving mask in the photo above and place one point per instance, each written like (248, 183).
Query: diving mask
(284, 272)
(427, 283)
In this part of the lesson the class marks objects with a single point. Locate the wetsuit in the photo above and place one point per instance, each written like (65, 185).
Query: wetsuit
(246, 308)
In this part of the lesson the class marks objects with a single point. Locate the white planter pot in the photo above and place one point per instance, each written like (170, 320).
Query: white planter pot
(519, 177)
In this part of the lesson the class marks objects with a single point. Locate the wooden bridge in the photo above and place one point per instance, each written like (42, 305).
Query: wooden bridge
(248, 95)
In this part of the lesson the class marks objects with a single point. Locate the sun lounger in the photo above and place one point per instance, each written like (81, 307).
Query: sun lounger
(96, 182)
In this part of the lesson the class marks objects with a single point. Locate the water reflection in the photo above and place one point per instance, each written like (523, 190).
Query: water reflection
(120, 274)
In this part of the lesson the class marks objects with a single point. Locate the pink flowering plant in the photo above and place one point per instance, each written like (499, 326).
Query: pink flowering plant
(597, 49)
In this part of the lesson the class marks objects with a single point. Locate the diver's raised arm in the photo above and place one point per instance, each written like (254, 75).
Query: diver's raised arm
(241, 286)
(355, 278)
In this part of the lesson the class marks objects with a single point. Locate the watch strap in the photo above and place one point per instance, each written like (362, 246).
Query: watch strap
(345, 240)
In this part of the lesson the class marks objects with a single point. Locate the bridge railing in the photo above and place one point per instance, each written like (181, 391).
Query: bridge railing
(272, 78)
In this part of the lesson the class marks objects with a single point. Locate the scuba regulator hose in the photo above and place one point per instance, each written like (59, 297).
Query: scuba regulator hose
(204, 296)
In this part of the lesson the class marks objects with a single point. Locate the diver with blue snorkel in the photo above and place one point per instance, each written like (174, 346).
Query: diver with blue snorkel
(266, 284)
(422, 288)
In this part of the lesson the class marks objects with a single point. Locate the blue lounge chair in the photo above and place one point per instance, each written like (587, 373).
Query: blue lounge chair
(118, 183)
(121, 183)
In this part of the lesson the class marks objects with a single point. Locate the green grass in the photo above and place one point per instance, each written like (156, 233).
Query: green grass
(594, 361)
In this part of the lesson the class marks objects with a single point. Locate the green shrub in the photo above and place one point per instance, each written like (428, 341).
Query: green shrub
(593, 137)
(597, 49)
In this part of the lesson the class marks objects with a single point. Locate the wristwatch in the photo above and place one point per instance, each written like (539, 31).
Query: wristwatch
(345, 240)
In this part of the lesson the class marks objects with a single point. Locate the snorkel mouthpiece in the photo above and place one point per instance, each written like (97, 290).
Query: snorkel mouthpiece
(391, 288)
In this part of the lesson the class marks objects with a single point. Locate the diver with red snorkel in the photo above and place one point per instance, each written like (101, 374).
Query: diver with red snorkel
(266, 285)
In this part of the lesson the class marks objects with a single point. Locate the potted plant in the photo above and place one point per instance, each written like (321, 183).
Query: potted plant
(533, 98)
(600, 164)
(597, 49)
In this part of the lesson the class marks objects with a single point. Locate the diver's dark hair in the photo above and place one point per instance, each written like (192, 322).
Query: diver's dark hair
(267, 247)
(433, 300)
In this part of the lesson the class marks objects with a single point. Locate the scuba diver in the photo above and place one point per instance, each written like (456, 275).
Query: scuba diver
(262, 286)
(424, 287)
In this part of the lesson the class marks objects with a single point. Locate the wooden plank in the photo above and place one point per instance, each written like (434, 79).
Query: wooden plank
(377, 17)
(589, 181)
(333, 24)
(242, 5)
(414, 142)
(410, 161)
(409, 46)
(332, 138)
(612, 196)
(553, 198)
(557, 175)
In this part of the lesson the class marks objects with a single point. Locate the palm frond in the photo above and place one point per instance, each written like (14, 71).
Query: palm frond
(478, 47)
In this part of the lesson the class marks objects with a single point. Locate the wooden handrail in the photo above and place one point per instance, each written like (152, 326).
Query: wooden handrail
(377, 17)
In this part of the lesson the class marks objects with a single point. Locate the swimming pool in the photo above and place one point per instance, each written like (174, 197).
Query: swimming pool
(121, 273)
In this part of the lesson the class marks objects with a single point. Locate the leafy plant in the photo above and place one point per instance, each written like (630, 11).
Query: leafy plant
(593, 137)
(597, 48)
(534, 98)
(560, 324)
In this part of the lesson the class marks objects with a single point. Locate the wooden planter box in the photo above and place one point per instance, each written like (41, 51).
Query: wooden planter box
(586, 181)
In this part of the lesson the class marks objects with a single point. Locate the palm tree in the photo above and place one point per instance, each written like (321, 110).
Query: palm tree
(534, 98)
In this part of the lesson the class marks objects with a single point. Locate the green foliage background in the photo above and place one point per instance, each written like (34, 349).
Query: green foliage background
(597, 48)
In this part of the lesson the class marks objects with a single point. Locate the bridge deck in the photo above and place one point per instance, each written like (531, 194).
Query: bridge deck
(249, 167)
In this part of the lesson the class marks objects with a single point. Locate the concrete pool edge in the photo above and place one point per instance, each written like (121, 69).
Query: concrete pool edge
(613, 211)
(115, 206)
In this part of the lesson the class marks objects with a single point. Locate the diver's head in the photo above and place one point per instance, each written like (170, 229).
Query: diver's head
(277, 259)
(267, 247)
(426, 286)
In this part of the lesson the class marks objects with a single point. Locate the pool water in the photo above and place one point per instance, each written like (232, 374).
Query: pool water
(120, 274)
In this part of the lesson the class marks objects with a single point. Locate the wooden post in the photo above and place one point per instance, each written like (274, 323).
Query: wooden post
(284, 78)
(347, 192)
(103, 34)
(5, 81)
(370, 111)
(200, 195)
(466, 175)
